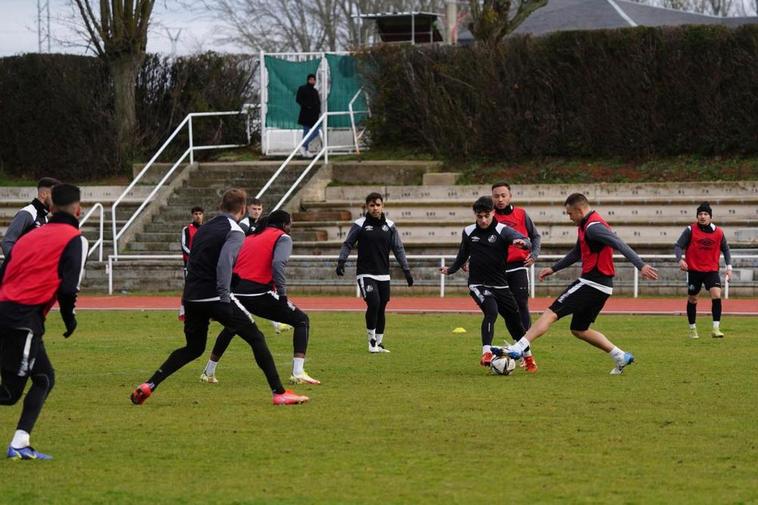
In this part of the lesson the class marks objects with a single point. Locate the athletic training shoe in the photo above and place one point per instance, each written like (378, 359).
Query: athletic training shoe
(693, 333)
(619, 368)
(26, 453)
(716, 333)
(380, 348)
(508, 350)
(303, 378)
(210, 379)
(530, 364)
(141, 394)
(486, 359)
(289, 397)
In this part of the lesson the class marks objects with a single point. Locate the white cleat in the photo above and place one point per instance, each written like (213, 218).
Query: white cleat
(303, 378)
(620, 365)
(209, 379)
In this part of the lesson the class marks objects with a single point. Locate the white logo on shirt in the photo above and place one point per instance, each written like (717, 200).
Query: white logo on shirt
(369, 228)
(385, 228)
(475, 239)
(492, 239)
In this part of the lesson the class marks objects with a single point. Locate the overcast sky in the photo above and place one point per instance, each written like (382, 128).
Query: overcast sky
(18, 29)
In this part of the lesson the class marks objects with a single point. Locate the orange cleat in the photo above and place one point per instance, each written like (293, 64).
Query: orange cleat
(529, 364)
(141, 394)
(289, 397)
(486, 359)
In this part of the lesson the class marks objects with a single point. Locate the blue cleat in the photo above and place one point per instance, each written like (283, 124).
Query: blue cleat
(507, 351)
(26, 453)
(619, 368)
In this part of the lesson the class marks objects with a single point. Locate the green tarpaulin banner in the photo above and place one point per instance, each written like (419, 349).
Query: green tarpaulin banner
(284, 77)
(345, 84)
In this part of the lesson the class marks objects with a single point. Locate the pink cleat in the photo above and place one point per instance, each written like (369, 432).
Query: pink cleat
(289, 397)
(141, 394)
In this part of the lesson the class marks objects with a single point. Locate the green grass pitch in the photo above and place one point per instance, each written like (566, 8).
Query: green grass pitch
(424, 424)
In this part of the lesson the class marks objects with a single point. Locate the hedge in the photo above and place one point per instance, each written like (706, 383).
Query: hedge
(631, 93)
(56, 110)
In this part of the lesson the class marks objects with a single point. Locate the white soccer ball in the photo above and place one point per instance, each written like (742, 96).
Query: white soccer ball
(503, 365)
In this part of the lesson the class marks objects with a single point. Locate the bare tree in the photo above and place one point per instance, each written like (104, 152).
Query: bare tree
(302, 25)
(117, 31)
(493, 20)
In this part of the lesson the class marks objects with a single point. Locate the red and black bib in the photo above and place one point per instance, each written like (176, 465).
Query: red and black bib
(595, 256)
(516, 220)
(254, 259)
(31, 275)
(703, 251)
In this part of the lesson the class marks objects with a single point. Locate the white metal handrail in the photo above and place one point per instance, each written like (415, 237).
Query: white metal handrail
(100, 241)
(356, 136)
(430, 257)
(323, 120)
(190, 151)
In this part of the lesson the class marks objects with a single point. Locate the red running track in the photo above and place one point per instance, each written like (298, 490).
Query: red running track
(428, 304)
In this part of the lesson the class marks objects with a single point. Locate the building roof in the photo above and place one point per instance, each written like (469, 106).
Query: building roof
(416, 26)
(561, 15)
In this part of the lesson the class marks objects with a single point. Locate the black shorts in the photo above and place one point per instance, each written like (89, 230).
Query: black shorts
(518, 281)
(695, 280)
(581, 300)
(18, 350)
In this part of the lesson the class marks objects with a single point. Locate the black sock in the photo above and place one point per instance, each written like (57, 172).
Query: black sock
(691, 312)
(716, 309)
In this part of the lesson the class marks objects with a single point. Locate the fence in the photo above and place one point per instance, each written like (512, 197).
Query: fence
(440, 260)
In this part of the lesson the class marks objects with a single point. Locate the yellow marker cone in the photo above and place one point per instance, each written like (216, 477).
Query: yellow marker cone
(459, 330)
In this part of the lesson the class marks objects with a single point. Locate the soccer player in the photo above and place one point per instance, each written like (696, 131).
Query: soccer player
(30, 217)
(519, 260)
(703, 242)
(254, 211)
(485, 246)
(45, 265)
(188, 233)
(248, 224)
(207, 296)
(375, 236)
(585, 297)
(261, 286)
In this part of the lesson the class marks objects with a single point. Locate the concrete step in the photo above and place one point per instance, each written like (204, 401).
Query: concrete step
(316, 275)
(603, 192)
(322, 215)
(684, 213)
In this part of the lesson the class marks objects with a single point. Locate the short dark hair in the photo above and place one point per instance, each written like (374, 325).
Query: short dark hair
(576, 199)
(373, 197)
(198, 209)
(310, 75)
(47, 182)
(483, 204)
(66, 194)
(254, 201)
(501, 183)
(233, 200)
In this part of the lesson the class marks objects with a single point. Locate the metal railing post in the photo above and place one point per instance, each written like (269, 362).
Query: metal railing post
(442, 278)
(326, 137)
(532, 287)
(726, 288)
(191, 150)
(636, 283)
(110, 275)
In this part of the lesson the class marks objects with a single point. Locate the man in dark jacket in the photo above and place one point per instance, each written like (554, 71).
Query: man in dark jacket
(310, 110)
(32, 216)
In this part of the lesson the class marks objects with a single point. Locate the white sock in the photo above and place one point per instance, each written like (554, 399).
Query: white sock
(20, 440)
(521, 345)
(210, 368)
(371, 335)
(297, 366)
(379, 337)
(693, 326)
(716, 325)
(617, 354)
(486, 348)
(528, 353)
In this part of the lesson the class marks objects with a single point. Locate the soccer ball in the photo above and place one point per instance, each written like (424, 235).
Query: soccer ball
(503, 365)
